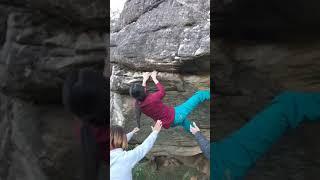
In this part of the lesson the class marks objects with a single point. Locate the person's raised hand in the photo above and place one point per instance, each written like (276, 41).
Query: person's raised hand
(154, 74)
(157, 126)
(146, 76)
(135, 130)
(194, 129)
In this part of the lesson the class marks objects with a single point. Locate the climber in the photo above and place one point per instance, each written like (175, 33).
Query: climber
(202, 141)
(233, 156)
(121, 161)
(85, 95)
(151, 104)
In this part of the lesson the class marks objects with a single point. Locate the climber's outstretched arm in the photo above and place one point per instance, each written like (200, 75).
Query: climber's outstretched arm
(235, 154)
(154, 77)
(145, 77)
(161, 91)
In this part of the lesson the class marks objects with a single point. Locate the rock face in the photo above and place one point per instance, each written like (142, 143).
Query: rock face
(40, 41)
(266, 19)
(171, 37)
(249, 70)
(248, 76)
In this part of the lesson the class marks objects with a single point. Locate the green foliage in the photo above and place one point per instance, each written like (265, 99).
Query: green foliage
(146, 171)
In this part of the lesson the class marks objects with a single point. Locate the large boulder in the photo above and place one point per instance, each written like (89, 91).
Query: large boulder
(173, 141)
(41, 41)
(172, 37)
(37, 142)
(36, 55)
(262, 48)
(248, 75)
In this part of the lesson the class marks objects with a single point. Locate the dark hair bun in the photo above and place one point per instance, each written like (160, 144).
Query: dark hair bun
(137, 91)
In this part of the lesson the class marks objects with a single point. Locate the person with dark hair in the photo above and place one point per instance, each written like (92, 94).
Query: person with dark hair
(85, 95)
(234, 155)
(151, 104)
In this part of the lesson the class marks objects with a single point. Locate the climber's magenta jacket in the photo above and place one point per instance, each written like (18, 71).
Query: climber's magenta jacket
(153, 107)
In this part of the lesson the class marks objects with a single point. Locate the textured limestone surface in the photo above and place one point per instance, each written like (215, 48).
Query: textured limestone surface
(40, 41)
(172, 37)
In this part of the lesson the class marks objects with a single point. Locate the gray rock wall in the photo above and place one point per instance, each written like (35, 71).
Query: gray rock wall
(248, 76)
(40, 41)
(260, 52)
(171, 37)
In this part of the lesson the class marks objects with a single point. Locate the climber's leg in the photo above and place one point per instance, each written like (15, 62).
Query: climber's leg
(186, 125)
(188, 106)
(234, 155)
(180, 120)
(178, 117)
